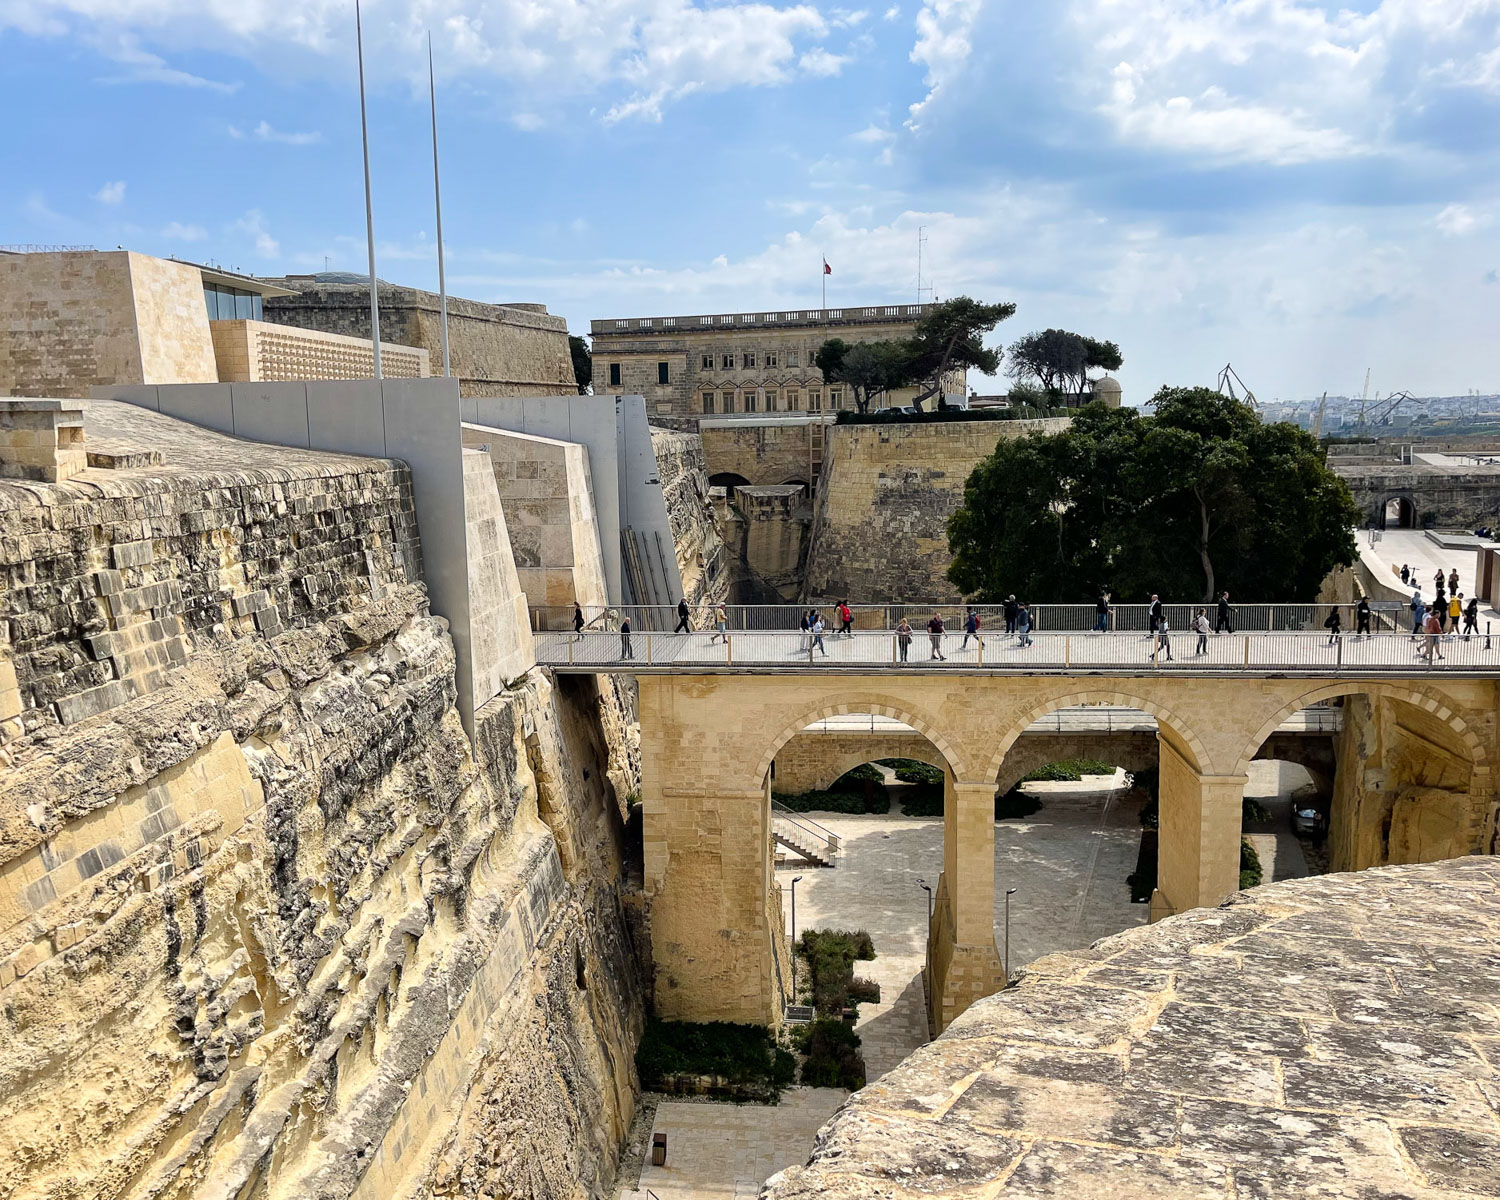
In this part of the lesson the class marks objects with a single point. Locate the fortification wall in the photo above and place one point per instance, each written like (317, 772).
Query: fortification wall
(1445, 497)
(701, 557)
(269, 926)
(880, 522)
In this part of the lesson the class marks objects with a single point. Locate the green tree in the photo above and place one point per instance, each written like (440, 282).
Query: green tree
(1061, 361)
(1199, 496)
(869, 369)
(583, 363)
(951, 338)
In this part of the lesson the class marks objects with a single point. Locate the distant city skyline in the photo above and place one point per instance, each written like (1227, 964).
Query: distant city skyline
(1306, 190)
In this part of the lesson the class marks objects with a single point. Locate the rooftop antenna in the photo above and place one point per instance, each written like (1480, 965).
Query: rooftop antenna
(437, 197)
(364, 133)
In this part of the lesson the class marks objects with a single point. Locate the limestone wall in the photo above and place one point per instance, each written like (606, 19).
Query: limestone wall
(171, 321)
(270, 925)
(880, 522)
(765, 531)
(258, 351)
(701, 558)
(771, 451)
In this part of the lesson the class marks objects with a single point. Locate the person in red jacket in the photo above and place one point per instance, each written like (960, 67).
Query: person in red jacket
(846, 619)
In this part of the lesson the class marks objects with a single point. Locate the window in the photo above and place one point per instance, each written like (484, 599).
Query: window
(793, 400)
(663, 374)
(231, 304)
(773, 398)
(771, 357)
(750, 405)
(749, 360)
(814, 400)
(708, 362)
(727, 362)
(729, 402)
(614, 374)
(835, 398)
(791, 358)
(708, 402)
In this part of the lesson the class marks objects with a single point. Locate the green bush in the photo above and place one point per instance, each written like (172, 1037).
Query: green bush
(1015, 804)
(1250, 810)
(831, 955)
(912, 771)
(839, 802)
(1069, 770)
(1250, 869)
(1148, 781)
(864, 991)
(925, 797)
(1253, 810)
(1151, 814)
(920, 802)
(865, 772)
(746, 1057)
(833, 1058)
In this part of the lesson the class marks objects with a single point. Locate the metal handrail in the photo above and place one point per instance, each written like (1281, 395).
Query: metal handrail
(795, 817)
(828, 845)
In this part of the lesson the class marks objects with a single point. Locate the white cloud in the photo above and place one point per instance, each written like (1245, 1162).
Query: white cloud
(111, 193)
(265, 133)
(821, 63)
(893, 12)
(1459, 219)
(528, 122)
(943, 29)
(177, 231)
(873, 134)
(844, 18)
(141, 66)
(253, 223)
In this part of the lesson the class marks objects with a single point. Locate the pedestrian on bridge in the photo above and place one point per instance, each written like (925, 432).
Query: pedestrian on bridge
(1163, 639)
(1200, 627)
(807, 631)
(1434, 630)
(1362, 617)
(1471, 618)
(1224, 620)
(577, 620)
(1024, 626)
(1455, 611)
(1334, 623)
(817, 635)
(846, 619)
(1102, 611)
(1440, 606)
(935, 632)
(1155, 614)
(625, 648)
(971, 627)
(721, 626)
(1012, 609)
(1418, 613)
(682, 617)
(1453, 581)
(903, 638)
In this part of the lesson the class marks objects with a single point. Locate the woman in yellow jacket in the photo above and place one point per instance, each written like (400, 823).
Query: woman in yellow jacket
(1455, 611)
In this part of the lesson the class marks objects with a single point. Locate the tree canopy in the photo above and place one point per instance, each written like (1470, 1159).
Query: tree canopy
(1061, 361)
(583, 363)
(1197, 497)
(950, 337)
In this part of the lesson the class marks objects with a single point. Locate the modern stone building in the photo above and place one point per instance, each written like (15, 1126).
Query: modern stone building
(74, 320)
(494, 349)
(689, 367)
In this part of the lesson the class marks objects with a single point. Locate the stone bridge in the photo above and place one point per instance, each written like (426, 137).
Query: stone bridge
(1414, 784)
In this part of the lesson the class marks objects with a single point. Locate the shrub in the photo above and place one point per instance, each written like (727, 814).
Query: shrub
(1250, 869)
(1253, 810)
(1069, 770)
(1015, 804)
(912, 771)
(925, 797)
(865, 772)
(746, 1057)
(839, 802)
(864, 991)
(1151, 814)
(1148, 781)
(830, 955)
(919, 802)
(833, 1058)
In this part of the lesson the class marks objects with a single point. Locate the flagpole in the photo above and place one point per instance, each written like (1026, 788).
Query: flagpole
(364, 133)
(823, 278)
(437, 197)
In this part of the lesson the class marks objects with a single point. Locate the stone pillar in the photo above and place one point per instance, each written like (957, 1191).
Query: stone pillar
(1198, 861)
(41, 439)
(963, 962)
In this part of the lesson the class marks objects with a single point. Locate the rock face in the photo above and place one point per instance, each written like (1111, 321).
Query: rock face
(700, 552)
(1326, 1037)
(269, 926)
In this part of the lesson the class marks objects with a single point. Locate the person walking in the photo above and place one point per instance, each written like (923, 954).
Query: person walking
(1440, 606)
(1453, 582)
(1471, 618)
(1434, 632)
(903, 638)
(625, 648)
(1334, 623)
(971, 627)
(1024, 626)
(1224, 619)
(577, 621)
(807, 631)
(682, 625)
(721, 626)
(1405, 574)
(1200, 627)
(1362, 617)
(1011, 610)
(1455, 611)
(817, 635)
(1163, 640)
(846, 619)
(1154, 613)
(1418, 612)
(1102, 611)
(935, 632)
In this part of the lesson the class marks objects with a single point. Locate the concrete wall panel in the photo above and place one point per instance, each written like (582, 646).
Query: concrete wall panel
(271, 412)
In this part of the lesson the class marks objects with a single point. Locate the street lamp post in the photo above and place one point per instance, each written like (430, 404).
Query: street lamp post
(927, 887)
(1009, 892)
(796, 879)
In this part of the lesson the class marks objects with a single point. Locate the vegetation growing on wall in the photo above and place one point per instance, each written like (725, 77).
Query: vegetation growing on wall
(674, 1055)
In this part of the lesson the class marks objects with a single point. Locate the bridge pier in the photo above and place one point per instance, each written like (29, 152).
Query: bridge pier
(1198, 863)
(964, 962)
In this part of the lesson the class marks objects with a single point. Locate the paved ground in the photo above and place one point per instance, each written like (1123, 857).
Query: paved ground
(1068, 864)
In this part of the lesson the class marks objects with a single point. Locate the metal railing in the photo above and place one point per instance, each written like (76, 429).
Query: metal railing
(806, 825)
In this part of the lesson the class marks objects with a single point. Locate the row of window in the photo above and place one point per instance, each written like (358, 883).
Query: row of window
(749, 360)
(232, 304)
(770, 400)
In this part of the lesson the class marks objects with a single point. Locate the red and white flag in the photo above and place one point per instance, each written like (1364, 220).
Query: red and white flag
(827, 270)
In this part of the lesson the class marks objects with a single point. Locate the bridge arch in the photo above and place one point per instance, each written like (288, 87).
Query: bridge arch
(1420, 695)
(1178, 732)
(861, 703)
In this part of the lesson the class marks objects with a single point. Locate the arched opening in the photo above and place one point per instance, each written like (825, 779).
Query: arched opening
(1398, 512)
(1400, 777)
(728, 479)
(795, 482)
(841, 829)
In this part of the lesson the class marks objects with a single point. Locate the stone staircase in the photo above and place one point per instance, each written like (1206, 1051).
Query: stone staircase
(804, 838)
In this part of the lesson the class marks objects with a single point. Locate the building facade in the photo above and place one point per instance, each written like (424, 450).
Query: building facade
(726, 363)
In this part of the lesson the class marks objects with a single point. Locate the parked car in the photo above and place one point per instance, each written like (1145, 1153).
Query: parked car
(1308, 821)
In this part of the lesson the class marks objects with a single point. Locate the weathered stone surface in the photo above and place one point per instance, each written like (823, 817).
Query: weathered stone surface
(1207, 1075)
(700, 553)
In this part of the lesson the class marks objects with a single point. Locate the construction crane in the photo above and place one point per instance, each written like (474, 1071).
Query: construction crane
(1317, 425)
(1364, 397)
(1380, 412)
(1227, 379)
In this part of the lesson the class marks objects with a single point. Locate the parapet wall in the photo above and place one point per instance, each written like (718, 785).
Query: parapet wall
(271, 924)
(880, 523)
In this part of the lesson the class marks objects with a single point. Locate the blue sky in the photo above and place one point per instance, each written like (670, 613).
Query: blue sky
(1304, 189)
